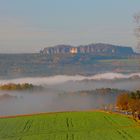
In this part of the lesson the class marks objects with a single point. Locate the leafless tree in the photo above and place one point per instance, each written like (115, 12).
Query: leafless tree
(137, 29)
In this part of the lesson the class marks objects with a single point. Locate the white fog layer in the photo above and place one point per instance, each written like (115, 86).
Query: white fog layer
(65, 78)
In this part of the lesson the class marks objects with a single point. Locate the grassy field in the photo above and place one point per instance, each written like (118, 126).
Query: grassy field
(70, 126)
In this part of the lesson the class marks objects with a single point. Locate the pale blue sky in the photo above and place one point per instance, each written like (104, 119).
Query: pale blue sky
(29, 25)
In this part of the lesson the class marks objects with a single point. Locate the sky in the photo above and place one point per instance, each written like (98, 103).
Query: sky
(31, 25)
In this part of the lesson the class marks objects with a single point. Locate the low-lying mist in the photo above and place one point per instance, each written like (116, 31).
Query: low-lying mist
(65, 78)
(60, 93)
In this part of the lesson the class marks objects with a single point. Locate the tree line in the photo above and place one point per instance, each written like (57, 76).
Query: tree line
(12, 86)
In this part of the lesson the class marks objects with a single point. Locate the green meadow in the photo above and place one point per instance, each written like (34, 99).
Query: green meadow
(70, 126)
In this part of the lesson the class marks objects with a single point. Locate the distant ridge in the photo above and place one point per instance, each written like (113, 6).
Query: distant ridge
(96, 49)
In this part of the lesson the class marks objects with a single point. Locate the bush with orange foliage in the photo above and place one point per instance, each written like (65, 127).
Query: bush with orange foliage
(129, 102)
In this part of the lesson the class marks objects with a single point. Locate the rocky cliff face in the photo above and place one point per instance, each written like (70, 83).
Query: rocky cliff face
(96, 49)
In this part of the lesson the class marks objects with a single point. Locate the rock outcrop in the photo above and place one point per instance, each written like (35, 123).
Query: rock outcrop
(96, 49)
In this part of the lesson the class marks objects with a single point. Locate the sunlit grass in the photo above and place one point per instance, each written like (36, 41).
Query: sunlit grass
(70, 126)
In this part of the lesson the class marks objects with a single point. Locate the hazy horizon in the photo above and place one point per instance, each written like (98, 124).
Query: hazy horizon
(28, 26)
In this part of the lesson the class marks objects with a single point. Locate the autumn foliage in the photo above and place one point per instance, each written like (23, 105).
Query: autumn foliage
(12, 86)
(129, 102)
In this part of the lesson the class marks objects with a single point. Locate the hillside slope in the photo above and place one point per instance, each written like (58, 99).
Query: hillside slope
(70, 126)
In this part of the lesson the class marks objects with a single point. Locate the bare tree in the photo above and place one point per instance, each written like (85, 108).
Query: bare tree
(137, 29)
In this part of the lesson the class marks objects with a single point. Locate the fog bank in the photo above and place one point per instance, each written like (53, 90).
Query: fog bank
(51, 80)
